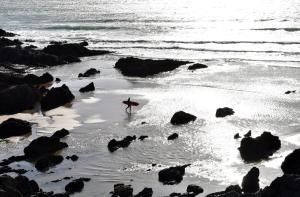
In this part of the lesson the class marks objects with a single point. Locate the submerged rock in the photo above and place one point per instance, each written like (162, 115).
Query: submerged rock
(43, 146)
(173, 136)
(90, 87)
(73, 157)
(146, 192)
(14, 127)
(182, 117)
(172, 175)
(90, 72)
(134, 67)
(18, 98)
(222, 112)
(75, 186)
(250, 182)
(56, 97)
(196, 66)
(255, 149)
(290, 91)
(291, 164)
(114, 145)
(142, 137)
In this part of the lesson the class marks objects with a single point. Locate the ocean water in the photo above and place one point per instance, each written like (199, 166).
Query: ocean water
(252, 52)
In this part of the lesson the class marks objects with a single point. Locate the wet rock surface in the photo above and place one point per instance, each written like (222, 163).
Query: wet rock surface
(172, 175)
(134, 67)
(261, 147)
(114, 144)
(182, 117)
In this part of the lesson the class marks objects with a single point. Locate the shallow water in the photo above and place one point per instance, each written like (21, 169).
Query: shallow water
(251, 48)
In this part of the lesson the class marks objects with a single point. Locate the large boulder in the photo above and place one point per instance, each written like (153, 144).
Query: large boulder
(172, 175)
(56, 97)
(285, 186)
(43, 146)
(182, 117)
(14, 127)
(18, 98)
(72, 50)
(250, 183)
(291, 164)
(134, 67)
(261, 147)
(114, 144)
(225, 111)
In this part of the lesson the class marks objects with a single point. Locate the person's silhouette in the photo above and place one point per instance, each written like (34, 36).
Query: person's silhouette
(129, 103)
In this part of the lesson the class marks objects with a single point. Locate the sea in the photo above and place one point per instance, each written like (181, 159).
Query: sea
(251, 47)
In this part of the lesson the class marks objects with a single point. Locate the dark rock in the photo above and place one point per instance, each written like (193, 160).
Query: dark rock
(43, 146)
(72, 50)
(56, 97)
(173, 136)
(291, 164)
(114, 145)
(45, 163)
(30, 47)
(121, 190)
(90, 87)
(12, 159)
(73, 157)
(250, 182)
(255, 149)
(60, 195)
(142, 137)
(84, 43)
(7, 42)
(14, 127)
(74, 186)
(61, 133)
(38, 80)
(90, 72)
(196, 66)
(134, 67)
(146, 192)
(7, 169)
(248, 134)
(182, 117)
(25, 186)
(285, 186)
(289, 92)
(4, 33)
(194, 189)
(172, 175)
(231, 191)
(29, 57)
(222, 112)
(57, 80)
(18, 98)
(144, 123)
(237, 136)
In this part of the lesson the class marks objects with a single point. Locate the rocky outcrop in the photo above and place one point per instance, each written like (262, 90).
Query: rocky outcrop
(182, 117)
(14, 127)
(114, 145)
(45, 163)
(38, 80)
(196, 66)
(222, 112)
(250, 182)
(61, 133)
(255, 149)
(134, 67)
(172, 175)
(43, 146)
(56, 97)
(4, 33)
(89, 88)
(15, 99)
(67, 50)
(4, 42)
(291, 164)
(90, 72)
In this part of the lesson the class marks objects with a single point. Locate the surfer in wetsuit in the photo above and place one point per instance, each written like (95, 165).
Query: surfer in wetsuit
(129, 104)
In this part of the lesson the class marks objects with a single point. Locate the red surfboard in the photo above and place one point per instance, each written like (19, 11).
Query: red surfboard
(131, 103)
